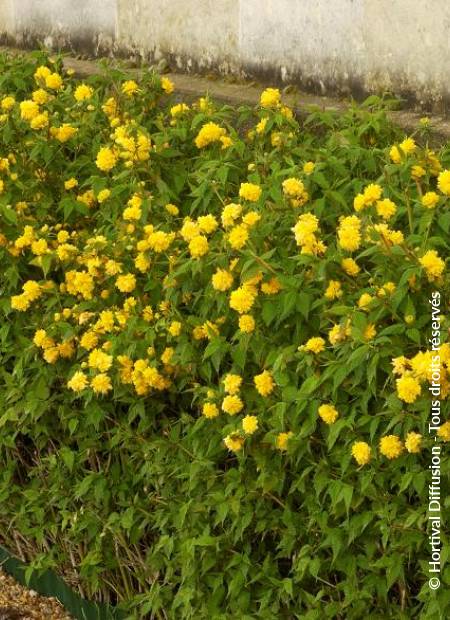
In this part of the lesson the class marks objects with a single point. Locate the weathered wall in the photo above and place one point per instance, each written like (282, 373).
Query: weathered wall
(192, 33)
(88, 25)
(329, 46)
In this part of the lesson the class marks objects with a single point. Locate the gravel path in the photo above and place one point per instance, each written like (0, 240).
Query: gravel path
(18, 603)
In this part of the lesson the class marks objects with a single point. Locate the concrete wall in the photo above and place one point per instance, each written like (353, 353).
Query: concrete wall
(192, 33)
(328, 46)
(60, 24)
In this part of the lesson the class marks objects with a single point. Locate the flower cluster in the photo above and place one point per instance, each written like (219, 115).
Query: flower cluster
(149, 264)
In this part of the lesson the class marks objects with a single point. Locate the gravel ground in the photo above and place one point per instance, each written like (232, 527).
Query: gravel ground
(18, 603)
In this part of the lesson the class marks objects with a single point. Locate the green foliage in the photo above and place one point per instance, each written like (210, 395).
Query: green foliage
(132, 495)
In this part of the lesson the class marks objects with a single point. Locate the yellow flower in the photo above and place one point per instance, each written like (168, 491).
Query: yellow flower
(64, 133)
(62, 236)
(230, 213)
(260, 127)
(417, 172)
(250, 424)
(364, 301)
(413, 442)
(238, 237)
(359, 202)
(234, 442)
(421, 364)
(105, 322)
(40, 121)
(349, 233)
(386, 208)
(433, 265)
(232, 404)
(287, 112)
(8, 103)
(41, 73)
(350, 266)
(51, 355)
(226, 141)
(408, 388)
(66, 349)
(408, 146)
(70, 183)
(430, 200)
(444, 182)
(204, 105)
(395, 154)
(167, 355)
(79, 282)
(106, 159)
(178, 109)
(270, 98)
(250, 192)
(372, 193)
(174, 328)
(304, 231)
(210, 410)
(264, 383)
(444, 431)
(293, 188)
(198, 246)
(103, 195)
(242, 299)
(160, 241)
(361, 452)
(32, 290)
(101, 384)
(40, 96)
(391, 446)
(315, 345)
(272, 287)
(78, 382)
(89, 340)
(276, 138)
(328, 413)
(110, 107)
(131, 213)
(370, 332)
(207, 223)
(129, 88)
(246, 323)
(39, 247)
(209, 133)
(172, 209)
(334, 290)
(82, 92)
(126, 283)
(282, 440)
(308, 167)
(167, 86)
(189, 230)
(100, 360)
(389, 287)
(337, 334)
(28, 110)
(251, 218)
(222, 280)
(53, 81)
(232, 383)
(40, 338)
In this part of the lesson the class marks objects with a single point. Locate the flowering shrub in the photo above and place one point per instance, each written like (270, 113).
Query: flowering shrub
(215, 348)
